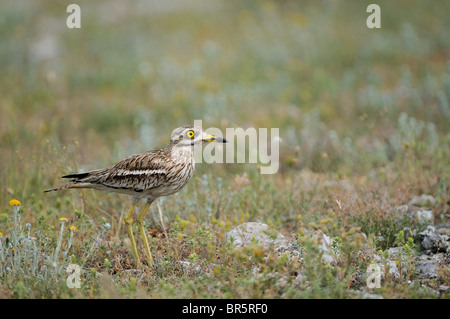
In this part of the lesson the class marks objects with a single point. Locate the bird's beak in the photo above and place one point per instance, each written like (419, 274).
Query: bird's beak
(210, 138)
(220, 140)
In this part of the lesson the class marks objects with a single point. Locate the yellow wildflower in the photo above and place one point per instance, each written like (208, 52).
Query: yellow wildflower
(63, 219)
(72, 228)
(1, 234)
(14, 202)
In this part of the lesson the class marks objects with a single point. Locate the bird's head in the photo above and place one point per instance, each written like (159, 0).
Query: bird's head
(191, 135)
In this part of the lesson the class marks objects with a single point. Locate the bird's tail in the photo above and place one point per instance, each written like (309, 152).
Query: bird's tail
(80, 180)
(51, 190)
(68, 186)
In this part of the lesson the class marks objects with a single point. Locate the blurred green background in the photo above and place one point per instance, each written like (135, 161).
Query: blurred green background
(347, 99)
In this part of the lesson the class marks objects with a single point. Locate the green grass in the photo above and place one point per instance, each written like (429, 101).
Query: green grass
(363, 116)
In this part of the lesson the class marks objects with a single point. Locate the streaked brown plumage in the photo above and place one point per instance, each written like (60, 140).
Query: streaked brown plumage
(148, 175)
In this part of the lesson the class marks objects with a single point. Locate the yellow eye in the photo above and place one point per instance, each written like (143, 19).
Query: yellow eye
(190, 134)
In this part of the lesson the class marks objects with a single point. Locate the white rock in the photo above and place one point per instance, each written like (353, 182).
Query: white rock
(326, 246)
(425, 216)
(402, 209)
(248, 233)
(366, 295)
(421, 214)
(428, 266)
(393, 270)
(423, 201)
(394, 255)
(430, 240)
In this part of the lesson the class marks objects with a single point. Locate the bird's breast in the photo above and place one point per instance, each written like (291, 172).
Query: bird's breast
(179, 172)
(182, 170)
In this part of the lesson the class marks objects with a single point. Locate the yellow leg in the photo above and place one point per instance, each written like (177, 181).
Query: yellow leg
(129, 222)
(139, 221)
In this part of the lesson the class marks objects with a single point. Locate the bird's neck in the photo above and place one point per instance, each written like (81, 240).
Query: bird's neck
(181, 154)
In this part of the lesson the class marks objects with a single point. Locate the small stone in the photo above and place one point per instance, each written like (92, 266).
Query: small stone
(366, 295)
(395, 254)
(189, 267)
(325, 247)
(248, 233)
(444, 289)
(428, 266)
(393, 270)
(425, 216)
(443, 229)
(403, 209)
(422, 215)
(430, 240)
(291, 248)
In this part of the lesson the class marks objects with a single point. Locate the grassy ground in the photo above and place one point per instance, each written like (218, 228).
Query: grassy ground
(363, 116)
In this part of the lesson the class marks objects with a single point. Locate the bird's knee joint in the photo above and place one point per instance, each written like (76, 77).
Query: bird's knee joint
(129, 220)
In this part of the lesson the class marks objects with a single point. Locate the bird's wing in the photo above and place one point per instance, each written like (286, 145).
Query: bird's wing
(137, 172)
(140, 172)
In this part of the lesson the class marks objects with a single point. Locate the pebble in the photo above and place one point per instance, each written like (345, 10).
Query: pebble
(246, 234)
(432, 241)
(427, 266)
(423, 201)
